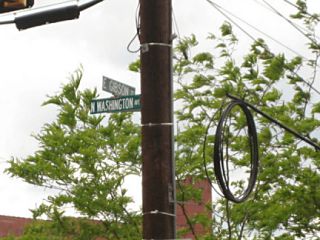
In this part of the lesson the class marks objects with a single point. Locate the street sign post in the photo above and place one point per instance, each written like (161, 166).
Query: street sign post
(117, 104)
(117, 88)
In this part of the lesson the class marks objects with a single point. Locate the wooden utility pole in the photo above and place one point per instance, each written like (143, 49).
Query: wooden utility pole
(157, 120)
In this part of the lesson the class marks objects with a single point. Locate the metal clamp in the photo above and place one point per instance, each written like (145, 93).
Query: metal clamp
(156, 124)
(159, 212)
(145, 46)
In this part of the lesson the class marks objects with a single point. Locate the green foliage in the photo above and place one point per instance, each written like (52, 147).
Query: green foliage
(135, 66)
(85, 158)
(284, 204)
(226, 29)
(275, 68)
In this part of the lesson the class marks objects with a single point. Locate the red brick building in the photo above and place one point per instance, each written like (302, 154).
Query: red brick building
(12, 225)
(193, 208)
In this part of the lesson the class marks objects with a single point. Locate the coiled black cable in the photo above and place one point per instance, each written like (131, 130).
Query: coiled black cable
(221, 168)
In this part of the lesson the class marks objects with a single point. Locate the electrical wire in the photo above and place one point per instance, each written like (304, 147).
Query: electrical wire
(130, 43)
(297, 7)
(262, 32)
(226, 12)
(306, 82)
(217, 7)
(293, 132)
(138, 19)
(218, 157)
(278, 42)
(175, 24)
(137, 34)
(204, 154)
(290, 22)
(297, 25)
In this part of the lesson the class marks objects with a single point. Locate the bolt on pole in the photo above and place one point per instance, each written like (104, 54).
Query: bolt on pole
(158, 177)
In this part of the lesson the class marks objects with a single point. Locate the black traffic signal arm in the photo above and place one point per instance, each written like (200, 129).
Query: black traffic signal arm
(33, 17)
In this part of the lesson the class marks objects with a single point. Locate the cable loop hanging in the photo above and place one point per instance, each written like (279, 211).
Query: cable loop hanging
(221, 167)
(131, 42)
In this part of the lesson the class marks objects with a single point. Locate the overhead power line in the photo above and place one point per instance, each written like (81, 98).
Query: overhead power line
(226, 14)
(271, 119)
(305, 30)
(306, 82)
(298, 28)
(220, 9)
(297, 7)
(260, 31)
(265, 6)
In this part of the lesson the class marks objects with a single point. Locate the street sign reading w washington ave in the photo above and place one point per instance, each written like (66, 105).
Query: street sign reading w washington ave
(118, 104)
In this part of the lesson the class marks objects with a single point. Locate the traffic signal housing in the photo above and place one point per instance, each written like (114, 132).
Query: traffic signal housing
(13, 5)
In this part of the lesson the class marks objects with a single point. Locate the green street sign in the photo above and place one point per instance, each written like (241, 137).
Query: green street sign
(118, 104)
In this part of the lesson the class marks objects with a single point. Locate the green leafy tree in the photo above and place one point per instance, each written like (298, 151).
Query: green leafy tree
(85, 158)
(285, 203)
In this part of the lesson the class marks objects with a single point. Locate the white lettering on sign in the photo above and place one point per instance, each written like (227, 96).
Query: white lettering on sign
(137, 102)
(115, 105)
(120, 104)
(100, 106)
(93, 107)
(117, 88)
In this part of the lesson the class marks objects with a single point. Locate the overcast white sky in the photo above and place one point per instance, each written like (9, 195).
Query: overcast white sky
(36, 62)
